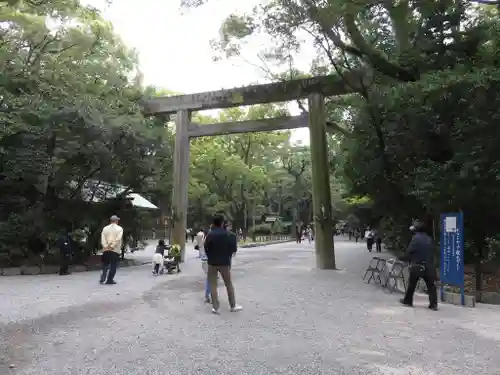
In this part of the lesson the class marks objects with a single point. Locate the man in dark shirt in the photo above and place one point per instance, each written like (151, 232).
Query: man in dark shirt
(420, 255)
(220, 246)
(64, 242)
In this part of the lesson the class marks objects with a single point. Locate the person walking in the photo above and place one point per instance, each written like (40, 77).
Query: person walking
(378, 241)
(65, 245)
(309, 234)
(220, 246)
(420, 255)
(298, 234)
(111, 241)
(370, 239)
(199, 241)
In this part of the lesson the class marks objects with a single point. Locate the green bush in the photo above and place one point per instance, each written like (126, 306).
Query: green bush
(278, 228)
(395, 235)
(261, 230)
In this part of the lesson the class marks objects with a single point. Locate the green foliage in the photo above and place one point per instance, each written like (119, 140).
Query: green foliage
(175, 251)
(422, 138)
(246, 176)
(262, 230)
(69, 121)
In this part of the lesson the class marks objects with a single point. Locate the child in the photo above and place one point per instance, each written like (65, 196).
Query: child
(158, 257)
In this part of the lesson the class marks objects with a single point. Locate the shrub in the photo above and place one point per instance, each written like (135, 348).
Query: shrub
(261, 230)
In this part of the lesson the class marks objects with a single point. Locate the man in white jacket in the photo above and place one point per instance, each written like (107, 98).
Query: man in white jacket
(111, 241)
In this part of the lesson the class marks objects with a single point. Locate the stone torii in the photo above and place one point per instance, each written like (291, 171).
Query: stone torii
(315, 89)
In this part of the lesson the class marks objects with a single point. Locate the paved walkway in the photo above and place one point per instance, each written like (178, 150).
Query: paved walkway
(297, 320)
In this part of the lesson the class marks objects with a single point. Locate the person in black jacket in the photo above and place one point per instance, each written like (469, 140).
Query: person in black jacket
(420, 255)
(64, 243)
(220, 246)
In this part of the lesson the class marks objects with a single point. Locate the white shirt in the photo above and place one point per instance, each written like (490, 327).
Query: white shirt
(111, 238)
(200, 241)
(368, 234)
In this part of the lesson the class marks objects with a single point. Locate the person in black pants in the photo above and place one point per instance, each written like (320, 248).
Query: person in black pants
(109, 263)
(421, 258)
(378, 242)
(64, 243)
(111, 240)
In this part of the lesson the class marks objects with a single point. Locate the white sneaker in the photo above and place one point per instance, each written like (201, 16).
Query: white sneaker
(215, 311)
(236, 308)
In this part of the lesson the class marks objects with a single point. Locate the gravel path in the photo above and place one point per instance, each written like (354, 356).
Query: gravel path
(297, 320)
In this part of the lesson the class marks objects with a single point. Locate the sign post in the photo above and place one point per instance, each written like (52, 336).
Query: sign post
(452, 252)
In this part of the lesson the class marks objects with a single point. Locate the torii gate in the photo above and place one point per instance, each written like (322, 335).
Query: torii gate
(314, 89)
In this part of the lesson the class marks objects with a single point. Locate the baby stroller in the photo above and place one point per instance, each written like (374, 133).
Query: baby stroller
(171, 264)
(173, 259)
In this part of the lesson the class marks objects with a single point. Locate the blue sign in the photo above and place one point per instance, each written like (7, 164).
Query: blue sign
(452, 251)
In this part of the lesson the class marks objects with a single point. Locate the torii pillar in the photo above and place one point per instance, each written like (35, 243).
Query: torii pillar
(322, 201)
(181, 180)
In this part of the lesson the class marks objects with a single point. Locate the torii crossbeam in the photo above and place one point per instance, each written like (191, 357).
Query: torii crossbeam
(314, 89)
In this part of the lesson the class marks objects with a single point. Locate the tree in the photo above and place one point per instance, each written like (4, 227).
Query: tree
(71, 132)
(232, 171)
(412, 151)
(296, 162)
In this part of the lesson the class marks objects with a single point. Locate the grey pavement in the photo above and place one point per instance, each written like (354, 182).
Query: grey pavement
(296, 320)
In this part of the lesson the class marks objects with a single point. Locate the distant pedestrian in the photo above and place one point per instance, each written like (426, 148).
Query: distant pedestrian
(111, 241)
(199, 241)
(309, 234)
(378, 242)
(370, 239)
(220, 246)
(298, 235)
(65, 245)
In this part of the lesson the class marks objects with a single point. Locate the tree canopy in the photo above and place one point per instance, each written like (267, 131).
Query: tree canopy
(422, 135)
(71, 128)
(74, 143)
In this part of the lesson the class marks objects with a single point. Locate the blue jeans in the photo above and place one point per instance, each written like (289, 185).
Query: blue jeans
(207, 288)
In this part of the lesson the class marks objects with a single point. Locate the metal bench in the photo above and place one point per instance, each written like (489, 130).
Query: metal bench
(375, 270)
(389, 273)
(395, 272)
